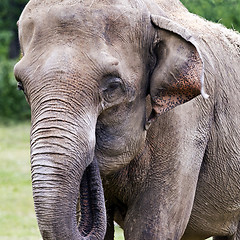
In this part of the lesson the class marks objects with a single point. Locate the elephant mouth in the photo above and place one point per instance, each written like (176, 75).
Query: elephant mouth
(92, 222)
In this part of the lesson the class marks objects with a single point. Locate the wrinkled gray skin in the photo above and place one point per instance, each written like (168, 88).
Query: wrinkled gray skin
(105, 81)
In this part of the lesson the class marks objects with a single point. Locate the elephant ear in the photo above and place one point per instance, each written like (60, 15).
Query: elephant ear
(179, 72)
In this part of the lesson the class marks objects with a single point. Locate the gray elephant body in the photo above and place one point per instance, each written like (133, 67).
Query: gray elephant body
(92, 72)
(200, 141)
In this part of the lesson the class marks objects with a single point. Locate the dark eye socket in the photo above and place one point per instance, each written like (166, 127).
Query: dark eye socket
(113, 84)
(20, 86)
(113, 89)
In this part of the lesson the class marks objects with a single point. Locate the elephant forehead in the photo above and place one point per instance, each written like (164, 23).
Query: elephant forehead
(85, 19)
(87, 3)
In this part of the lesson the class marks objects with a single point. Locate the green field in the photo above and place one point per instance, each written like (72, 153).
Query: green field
(17, 217)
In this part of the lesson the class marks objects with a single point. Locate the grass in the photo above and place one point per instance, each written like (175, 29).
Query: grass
(17, 217)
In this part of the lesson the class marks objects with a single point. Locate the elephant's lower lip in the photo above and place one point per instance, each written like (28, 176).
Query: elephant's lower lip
(93, 215)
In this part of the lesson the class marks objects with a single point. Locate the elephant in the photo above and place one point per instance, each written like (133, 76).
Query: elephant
(135, 119)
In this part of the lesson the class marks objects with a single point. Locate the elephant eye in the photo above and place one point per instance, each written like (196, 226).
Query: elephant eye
(20, 86)
(113, 89)
(113, 85)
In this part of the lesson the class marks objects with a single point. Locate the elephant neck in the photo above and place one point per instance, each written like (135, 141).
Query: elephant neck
(134, 174)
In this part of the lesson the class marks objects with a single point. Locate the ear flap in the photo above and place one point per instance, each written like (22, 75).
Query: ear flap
(178, 74)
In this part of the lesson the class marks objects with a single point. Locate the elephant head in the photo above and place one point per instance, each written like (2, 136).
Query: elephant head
(86, 70)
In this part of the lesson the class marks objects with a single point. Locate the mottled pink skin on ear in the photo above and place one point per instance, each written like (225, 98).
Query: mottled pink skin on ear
(184, 85)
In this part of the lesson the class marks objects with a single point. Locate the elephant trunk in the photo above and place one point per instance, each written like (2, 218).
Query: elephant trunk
(62, 161)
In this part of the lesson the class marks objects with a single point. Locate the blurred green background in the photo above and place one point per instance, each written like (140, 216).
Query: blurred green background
(17, 219)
